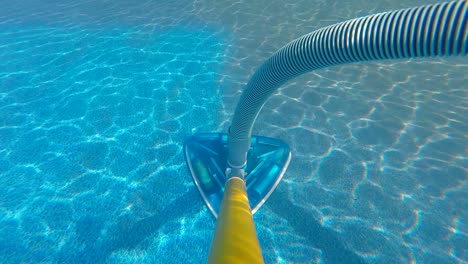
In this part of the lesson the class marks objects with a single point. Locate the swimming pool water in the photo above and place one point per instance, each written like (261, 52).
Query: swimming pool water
(97, 97)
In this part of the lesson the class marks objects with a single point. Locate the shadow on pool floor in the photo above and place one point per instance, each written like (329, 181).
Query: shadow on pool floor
(127, 236)
(334, 251)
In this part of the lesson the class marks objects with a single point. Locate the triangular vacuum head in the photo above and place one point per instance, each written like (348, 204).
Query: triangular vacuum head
(206, 156)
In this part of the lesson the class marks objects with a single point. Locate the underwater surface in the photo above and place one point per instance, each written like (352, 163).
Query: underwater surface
(97, 98)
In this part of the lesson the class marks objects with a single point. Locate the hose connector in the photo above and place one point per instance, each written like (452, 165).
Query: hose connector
(238, 149)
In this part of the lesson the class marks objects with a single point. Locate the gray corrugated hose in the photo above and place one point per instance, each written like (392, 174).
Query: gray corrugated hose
(427, 31)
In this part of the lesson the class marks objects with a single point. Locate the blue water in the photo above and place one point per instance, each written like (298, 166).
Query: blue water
(97, 97)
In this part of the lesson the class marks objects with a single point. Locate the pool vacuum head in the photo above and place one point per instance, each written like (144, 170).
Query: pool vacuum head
(206, 156)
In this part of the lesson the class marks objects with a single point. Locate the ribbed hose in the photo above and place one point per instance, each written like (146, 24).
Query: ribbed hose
(427, 31)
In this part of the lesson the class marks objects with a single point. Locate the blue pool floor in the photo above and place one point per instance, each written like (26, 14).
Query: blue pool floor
(96, 100)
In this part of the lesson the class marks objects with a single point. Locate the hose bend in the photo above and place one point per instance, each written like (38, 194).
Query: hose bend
(426, 31)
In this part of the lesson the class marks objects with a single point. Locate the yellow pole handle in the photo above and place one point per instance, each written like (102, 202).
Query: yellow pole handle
(235, 238)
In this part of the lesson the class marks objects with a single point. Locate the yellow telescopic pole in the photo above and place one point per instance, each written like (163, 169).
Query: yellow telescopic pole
(235, 239)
